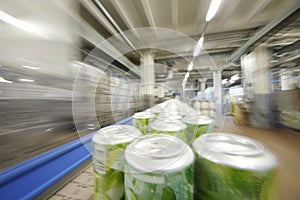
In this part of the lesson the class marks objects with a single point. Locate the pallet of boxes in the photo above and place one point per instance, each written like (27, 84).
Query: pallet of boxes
(241, 112)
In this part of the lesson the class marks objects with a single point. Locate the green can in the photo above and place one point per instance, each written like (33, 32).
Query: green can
(233, 167)
(141, 121)
(109, 144)
(159, 167)
(197, 124)
(172, 127)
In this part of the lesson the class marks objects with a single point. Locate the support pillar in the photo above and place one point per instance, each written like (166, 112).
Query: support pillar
(202, 88)
(255, 70)
(218, 91)
(147, 78)
(160, 91)
(260, 116)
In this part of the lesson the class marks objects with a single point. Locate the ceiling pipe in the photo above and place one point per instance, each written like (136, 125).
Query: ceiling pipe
(99, 16)
(115, 25)
(262, 32)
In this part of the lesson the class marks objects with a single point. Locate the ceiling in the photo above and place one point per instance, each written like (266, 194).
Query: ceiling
(236, 23)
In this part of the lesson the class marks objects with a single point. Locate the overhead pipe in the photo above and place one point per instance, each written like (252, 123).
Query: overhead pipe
(262, 32)
(115, 25)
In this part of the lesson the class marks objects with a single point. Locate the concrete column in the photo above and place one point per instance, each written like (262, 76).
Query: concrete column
(147, 73)
(218, 91)
(248, 65)
(147, 78)
(261, 77)
(202, 88)
(160, 91)
(255, 70)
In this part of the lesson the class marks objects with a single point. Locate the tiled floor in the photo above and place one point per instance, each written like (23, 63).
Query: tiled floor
(80, 188)
(284, 144)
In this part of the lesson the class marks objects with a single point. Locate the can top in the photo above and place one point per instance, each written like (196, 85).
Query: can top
(169, 117)
(170, 112)
(116, 134)
(234, 151)
(188, 111)
(168, 125)
(197, 119)
(143, 115)
(158, 153)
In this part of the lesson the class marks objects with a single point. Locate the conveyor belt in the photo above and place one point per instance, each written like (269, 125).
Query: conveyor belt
(282, 143)
(33, 177)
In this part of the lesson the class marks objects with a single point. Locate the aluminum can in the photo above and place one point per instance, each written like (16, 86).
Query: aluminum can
(197, 124)
(233, 167)
(159, 167)
(109, 144)
(172, 127)
(141, 121)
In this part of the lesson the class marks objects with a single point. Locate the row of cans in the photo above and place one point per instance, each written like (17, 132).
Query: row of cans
(133, 166)
(175, 118)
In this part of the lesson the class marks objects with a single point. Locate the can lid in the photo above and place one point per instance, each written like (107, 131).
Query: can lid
(116, 134)
(170, 112)
(197, 119)
(168, 125)
(235, 151)
(156, 109)
(188, 111)
(158, 153)
(143, 115)
(169, 117)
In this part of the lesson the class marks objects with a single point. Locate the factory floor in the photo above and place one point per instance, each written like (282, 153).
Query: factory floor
(284, 143)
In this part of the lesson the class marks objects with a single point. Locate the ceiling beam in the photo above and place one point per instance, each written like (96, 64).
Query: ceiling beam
(259, 6)
(293, 7)
(92, 36)
(99, 16)
(200, 16)
(121, 11)
(175, 14)
(114, 23)
(148, 12)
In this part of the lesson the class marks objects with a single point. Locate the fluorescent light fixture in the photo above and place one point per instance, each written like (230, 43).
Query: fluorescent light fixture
(190, 67)
(224, 81)
(198, 46)
(26, 80)
(19, 24)
(212, 10)
(231, 81)
(235, 77)
(29, 67)
(183, 82)
(3, 80)
(187, 75)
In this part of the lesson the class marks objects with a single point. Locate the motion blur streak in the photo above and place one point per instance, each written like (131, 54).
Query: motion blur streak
(37, 76)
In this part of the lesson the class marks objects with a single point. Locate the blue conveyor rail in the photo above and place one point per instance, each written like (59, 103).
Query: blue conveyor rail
(30, 178)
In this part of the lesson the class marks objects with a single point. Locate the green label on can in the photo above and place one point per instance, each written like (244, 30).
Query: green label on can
(167, 186)
(219, 182)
